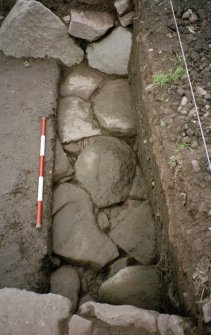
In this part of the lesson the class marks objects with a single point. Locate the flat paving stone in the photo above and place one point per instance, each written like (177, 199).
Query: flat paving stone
(82, 82)
(113, 108)
(111, 55)
(133, 230)
(89, 25)
(105, 168)
(27, 94)
(76, 236)
(75, 120)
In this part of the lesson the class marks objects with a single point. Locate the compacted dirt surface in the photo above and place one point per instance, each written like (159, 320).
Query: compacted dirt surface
(28, 92)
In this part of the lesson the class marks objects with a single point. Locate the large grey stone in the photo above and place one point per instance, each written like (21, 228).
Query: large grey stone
(32, 30)
(66, 193)
(111, 55)
(28, 313)
(89, 25)
(142, 321)
(65, 281)
(75, 120)
(121, 316)
(62, 168)
(77, 237)
(113, 108)
(133, 230)
(105, 168)
(82, 82)
(134, 285)
(138, 190)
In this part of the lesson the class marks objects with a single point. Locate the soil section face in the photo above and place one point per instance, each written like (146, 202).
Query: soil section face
(178, 192)
(28, 92)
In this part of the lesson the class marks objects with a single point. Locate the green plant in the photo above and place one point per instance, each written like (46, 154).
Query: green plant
(161, 79)
(175, 160)
(178, 72)
(181, 147)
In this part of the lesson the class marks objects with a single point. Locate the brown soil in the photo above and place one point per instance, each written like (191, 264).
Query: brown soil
(178, 194)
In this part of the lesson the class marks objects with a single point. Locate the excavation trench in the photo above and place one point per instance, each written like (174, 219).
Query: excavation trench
(106, 224)
(118, 233)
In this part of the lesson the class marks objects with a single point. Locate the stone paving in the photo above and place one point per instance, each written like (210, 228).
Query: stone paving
(103, 231)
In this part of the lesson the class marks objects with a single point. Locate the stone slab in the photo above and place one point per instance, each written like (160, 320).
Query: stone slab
(82, 82)
(75, 120)
(28, 313)
(113, 108)
(133, 230)
(111, 55)
(89, 25)
(105, 168)
(76, 236)
(32, 30)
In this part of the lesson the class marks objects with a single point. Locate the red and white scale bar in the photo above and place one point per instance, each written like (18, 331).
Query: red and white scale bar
(41, 175)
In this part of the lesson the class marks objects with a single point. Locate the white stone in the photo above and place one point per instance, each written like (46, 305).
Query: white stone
(76, 236)
(32, 30)
(23, 312)
(184, 101)
(89, 25)
(81, 82)
(113, 108)
(105, 168)
(75, 120)
(122, 6)
(195, 165)
(111, 55)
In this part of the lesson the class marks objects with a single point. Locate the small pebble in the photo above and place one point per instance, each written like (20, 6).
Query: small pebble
(193, 18)
(181, 91)
(200, 91)
(207, 96)
(184, 101)
(195, 165)
(186, 140)
(186, 14)
(194, 145)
